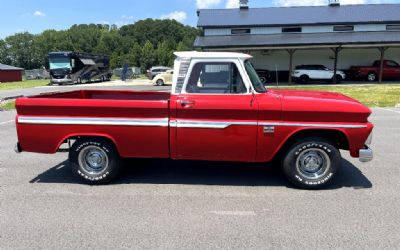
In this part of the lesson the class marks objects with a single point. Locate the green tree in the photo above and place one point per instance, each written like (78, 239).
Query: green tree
(4, 58)
(134, 55)
(147, 56)
(20, 47)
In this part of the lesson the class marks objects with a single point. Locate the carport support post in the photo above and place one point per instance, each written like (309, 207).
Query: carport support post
(291, 52)
(382, 50)
(336, 51)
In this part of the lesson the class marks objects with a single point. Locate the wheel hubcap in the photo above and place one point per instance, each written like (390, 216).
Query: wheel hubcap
(313, 163)
(371, 77)
(93, 160)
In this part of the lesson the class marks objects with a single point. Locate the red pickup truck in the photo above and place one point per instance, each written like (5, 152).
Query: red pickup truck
(218, 110)
(391, 70)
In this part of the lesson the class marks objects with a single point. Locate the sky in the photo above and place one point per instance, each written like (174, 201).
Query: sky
(39, 15)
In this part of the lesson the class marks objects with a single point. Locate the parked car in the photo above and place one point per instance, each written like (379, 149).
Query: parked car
(153, 71)
(264, 75)
(218, 110)
(163, 78)
(391, 70)
(305, 73)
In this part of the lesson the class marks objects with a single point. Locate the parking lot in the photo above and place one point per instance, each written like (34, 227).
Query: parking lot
(163, 204)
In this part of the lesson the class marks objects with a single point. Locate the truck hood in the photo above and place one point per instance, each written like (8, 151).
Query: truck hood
(304, 105)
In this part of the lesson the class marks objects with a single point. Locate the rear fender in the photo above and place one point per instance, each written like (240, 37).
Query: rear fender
(94, 135)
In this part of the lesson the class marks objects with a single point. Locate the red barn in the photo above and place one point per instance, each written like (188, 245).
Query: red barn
(10, 73)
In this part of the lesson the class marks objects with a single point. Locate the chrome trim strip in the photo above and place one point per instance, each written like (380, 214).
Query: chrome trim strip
(208, 124)
(164, 122)
(320, 125)
(159, 122)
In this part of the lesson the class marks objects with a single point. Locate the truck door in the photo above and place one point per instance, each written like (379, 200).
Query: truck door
(391, 70)
(216, 114)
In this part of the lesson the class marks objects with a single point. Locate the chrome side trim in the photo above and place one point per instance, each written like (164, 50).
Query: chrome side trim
(320, 125)
(159, 122)
(208, 124)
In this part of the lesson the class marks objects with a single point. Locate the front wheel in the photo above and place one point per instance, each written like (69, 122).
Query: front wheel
(304, 79)
(311, 163)
(371, 77)
(94, 161)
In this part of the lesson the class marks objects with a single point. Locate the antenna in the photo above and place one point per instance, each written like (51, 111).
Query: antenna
(334, 3)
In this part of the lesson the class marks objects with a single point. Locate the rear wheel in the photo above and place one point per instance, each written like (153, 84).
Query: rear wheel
(94, 161)
(311, 163)
(304, 79)
(159, 82)
(338, 78)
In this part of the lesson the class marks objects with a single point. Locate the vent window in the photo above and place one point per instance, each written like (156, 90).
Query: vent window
(393, 27)
(291, 30)
(343, 28)
(240, 31)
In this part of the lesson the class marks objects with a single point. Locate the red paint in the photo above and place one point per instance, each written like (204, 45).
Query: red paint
(391, 70)
(246, 143)
(10, 75)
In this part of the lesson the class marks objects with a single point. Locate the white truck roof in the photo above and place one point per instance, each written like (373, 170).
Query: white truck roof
(196, 54)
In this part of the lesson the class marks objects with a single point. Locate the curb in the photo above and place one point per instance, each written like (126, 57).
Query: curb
(10, 98)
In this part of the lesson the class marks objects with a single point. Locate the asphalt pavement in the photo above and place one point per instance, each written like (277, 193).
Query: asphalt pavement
(164, 204)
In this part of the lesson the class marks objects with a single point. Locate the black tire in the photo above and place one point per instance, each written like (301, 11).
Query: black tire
(102, 78)
(160, 82)
(304, 79)
(338, 78)
(371, 77)
(312, 163)
(94, 161)
(263, 79)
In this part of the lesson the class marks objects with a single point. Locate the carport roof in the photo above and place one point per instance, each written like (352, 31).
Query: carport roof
(299, 40)
(8, 67)
(304, 15)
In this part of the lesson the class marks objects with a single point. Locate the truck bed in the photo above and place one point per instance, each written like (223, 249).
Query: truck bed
(137, 122)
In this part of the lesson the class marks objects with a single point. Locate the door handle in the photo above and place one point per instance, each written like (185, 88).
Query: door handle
(187, 103)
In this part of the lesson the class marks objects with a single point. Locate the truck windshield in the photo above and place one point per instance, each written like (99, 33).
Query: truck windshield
(60, 63)
(255, 80)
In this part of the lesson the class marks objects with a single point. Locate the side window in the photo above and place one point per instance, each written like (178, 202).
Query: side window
(392, 64)
(215, 78)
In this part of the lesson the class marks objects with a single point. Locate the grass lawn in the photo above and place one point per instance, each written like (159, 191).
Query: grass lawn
(376, 95)
(24, 84)
(7, 105)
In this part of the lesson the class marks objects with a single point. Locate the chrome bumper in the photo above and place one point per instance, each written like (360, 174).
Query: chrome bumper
(63, 80)
(366, 154)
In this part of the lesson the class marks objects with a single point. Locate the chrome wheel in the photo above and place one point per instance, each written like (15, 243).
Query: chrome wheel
(160, 82)
(371, 77)
(313, 163)
(93, 159)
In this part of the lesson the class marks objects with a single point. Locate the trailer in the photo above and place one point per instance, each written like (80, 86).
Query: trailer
(76, 67)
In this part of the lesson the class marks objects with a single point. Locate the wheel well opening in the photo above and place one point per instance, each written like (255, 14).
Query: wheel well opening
(338, 138)
(71, 140)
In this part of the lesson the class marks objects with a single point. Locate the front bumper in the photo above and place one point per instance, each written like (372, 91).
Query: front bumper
(62, 81)
(366, 154)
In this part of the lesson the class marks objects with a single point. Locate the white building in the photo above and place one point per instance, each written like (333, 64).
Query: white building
(283, 37)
